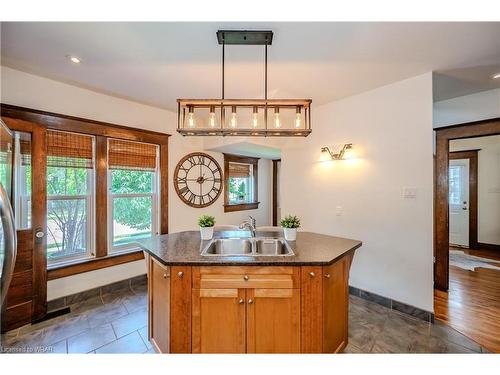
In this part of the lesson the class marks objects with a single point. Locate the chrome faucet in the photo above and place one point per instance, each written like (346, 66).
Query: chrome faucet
(248, 225)
(253, 221)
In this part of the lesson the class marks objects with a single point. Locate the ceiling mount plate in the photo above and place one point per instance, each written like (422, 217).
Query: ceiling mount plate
(245, 37)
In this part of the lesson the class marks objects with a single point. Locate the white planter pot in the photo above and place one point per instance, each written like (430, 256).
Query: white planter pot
(290, 234)
(206, 233)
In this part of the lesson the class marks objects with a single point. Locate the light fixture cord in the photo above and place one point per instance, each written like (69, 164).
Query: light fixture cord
(223, 58)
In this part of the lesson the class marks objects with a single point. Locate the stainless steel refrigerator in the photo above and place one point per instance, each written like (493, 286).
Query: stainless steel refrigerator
(8, 239)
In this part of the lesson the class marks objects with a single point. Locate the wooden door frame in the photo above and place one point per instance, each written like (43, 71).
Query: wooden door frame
(441, 218)
(38, 210)
(275, 191)
(472, 156)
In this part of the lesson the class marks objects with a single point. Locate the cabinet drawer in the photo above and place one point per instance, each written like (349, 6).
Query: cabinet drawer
(245, 277)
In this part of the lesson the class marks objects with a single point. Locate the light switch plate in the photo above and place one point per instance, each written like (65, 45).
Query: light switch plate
(338, 210)
(409, 192)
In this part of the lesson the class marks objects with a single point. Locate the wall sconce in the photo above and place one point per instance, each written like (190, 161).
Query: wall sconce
(341, 155)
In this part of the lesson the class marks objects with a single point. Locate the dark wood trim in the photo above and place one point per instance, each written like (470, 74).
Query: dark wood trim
(163, 188)
(488, 246)
(443, 136)
(275, 191)
(59, 121)
(241, 207)
(101, 196)
(255, 171)
(473, 188)
(93, 264)
(39, 218)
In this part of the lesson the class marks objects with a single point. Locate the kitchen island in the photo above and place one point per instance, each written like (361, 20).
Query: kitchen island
(248, 302)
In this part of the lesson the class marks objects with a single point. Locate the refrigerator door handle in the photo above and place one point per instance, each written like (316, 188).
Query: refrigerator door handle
(10, 242)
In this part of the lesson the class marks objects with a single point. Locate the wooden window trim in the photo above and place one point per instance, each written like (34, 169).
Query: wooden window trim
(86, 265)
(247, 160)
(22, 118)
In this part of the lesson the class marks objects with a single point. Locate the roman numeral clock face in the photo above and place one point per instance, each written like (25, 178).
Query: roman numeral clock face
(198, 179)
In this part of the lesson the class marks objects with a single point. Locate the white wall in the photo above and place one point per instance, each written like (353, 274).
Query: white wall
(479, 106)
(27, 90)
(391, 129)
(488, 201)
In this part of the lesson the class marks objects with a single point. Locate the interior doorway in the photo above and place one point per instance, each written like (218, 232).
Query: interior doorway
(467, 230)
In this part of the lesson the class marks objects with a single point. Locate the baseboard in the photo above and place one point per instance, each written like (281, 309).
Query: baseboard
(66, 301)
(393, 305)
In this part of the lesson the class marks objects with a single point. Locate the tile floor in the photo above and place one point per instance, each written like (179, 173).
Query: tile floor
(116, 322)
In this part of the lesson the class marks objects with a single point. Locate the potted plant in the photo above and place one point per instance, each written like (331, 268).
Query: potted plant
(206, 223)
(290, 224)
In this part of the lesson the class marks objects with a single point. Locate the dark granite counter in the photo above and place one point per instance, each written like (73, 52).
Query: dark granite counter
(184, 248)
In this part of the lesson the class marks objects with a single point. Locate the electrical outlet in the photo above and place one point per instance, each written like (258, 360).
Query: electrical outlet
(338, 210)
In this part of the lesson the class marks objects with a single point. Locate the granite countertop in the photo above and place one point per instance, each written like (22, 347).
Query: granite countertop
(184, 248)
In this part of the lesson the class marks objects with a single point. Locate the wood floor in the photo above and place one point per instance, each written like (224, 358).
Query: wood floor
(472, 304)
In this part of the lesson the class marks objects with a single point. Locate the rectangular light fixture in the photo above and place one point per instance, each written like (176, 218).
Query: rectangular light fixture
(244, 117)
(251, 117)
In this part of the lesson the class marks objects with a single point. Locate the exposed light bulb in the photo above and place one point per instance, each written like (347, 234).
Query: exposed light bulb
(277, 122)
(255, 117)
(233, 117)
(298, 118)
(190, 117)
(212, 117)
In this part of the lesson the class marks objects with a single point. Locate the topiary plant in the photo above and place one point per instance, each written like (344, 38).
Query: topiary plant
(290, 222)
(206, 221)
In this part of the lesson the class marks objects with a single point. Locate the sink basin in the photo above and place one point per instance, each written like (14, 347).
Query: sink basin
(229, 246)
(247, 247)
(271, 246)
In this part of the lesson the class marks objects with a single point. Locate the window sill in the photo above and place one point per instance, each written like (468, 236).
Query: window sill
(57, 271)
(241, 207)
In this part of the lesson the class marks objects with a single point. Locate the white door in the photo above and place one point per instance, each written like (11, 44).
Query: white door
(458, 197)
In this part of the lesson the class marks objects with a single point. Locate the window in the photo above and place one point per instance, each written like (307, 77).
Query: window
(240, 183)
(133, 193)
(70, 196)
(22, 180)
(455, 193)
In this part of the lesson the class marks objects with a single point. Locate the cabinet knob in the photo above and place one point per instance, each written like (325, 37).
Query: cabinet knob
(327, 275)
(180, 274)
(241, 301)
(245, 277)
(165, 276)
(312, 274)
(250, 301)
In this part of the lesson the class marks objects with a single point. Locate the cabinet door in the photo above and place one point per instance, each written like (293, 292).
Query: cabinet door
(159, 305)
(335, 305)
(273, 321)
(218, 321)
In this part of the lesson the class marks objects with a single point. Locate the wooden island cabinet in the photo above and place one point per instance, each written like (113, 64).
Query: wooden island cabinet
(249, 309)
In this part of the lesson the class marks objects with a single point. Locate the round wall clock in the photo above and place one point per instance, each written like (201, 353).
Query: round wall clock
(198, 179)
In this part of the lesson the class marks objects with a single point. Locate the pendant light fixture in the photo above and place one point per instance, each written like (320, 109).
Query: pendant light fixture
(244, 117)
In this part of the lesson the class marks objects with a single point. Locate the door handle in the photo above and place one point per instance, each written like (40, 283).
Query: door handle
(39, 234)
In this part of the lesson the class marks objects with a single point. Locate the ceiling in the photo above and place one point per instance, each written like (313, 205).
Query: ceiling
(452, 83)
(156, 63)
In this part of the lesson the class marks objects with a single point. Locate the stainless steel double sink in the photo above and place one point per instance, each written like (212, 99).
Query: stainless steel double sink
(258, 246)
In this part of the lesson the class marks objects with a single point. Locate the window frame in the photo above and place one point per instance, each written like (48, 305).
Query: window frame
(155, 202)
(90, 198)
(254, 162)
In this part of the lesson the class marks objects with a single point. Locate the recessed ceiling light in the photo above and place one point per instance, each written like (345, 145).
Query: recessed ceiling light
(496, 76)
(74, 59)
